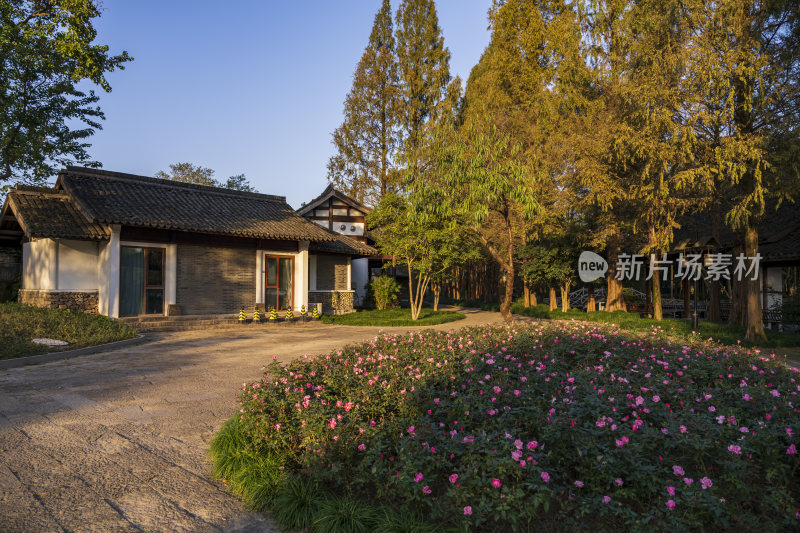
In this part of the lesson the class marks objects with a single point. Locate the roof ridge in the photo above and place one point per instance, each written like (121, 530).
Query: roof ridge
(35, 189)
(122, 176)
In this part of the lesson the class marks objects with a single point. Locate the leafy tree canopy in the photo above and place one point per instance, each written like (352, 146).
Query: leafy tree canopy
(46, 49)
(189, 173)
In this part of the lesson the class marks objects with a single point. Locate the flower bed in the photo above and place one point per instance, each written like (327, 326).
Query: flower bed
(558, 426)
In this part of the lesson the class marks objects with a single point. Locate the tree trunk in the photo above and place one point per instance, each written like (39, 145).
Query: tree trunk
(714, 313)
(591, 305)
(658, 312)
(565, 297)
(738, 312)
(553, 299)
(437, 291)
(534, 301)
(614, 299)
(755, 323)
(648, 297)
(687, 309)
(508, 295)
(526, 291)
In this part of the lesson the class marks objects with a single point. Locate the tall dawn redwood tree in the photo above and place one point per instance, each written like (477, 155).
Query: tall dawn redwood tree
(424, 74)
(366, 142)
(741, 71)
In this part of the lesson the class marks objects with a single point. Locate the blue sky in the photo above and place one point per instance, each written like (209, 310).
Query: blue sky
(245, 86)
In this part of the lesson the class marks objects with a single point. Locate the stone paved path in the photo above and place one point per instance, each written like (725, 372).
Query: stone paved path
(117, 441)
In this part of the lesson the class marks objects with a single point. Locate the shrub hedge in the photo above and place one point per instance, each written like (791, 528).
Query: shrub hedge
(557, 426)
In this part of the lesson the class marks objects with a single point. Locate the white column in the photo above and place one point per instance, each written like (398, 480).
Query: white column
(171, 277)
(301, 276)
(349, 273)
(108, 275)
(312, 272)
(259, 276)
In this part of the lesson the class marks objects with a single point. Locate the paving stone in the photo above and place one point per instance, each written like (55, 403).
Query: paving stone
(149, 511)
(118, 441)
(20, 511)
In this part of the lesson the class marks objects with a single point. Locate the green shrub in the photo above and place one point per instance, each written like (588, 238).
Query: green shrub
(666, 328)
(392, 317)
(383, 290)
(20, 324)
(298, 504)
(552, 426)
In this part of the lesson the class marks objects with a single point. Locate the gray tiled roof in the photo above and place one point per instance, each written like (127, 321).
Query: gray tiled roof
(778, 233)
(343, 245)
(116, 198)
(47, 213)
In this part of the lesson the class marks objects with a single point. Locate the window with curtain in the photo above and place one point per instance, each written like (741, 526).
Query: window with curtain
(141, 281)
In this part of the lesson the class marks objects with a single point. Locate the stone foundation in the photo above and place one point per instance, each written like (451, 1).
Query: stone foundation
(333, 302)
(82, 301)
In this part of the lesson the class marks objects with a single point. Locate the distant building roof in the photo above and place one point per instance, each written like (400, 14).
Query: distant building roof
(343, 245)
(329, 192)
(778, 234)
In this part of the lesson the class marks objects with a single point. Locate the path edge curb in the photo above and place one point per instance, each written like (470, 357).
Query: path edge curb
(17, 362)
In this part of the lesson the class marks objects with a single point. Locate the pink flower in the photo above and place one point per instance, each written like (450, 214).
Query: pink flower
(677, 470)
(705, 483)
(362, 447)
(496, 483)
(332, 423)
(671, 491)
(517, 392)
(518, 444)
(735, 449)
(618, 481)
(418, 477)
(671, 504)
(606, 499)
(426, 489)
(775, 392)
(578, 483)
(278, 427)
(453, 478)
(656, 398)
(546, 477)
(516, 455)
(467, 510)
(532, 444)
(411, 429)
(791, 450)
(688, 480)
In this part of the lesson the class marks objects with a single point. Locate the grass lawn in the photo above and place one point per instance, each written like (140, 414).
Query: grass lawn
(19, 324)
(552, 426)
(392, 317)
(679, 330)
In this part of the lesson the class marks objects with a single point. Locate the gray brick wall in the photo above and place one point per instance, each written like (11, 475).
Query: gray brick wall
(332, 272)
(215, 280)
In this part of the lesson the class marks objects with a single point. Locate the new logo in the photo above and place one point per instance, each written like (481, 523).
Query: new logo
(591, 267)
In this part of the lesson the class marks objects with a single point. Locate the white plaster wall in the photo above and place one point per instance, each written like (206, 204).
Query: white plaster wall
(40, 264)
(359, 277)
(301, 275)
(350, 228)
(108, 275)
(77, 265)
(312, 272)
